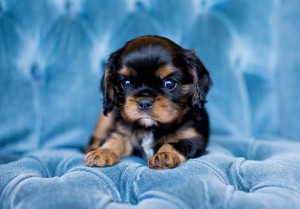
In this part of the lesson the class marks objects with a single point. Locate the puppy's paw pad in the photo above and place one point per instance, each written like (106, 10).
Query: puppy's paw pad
(101, 158)
(164, 160)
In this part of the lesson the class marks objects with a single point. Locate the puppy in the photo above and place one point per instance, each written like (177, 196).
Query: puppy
(154, 93)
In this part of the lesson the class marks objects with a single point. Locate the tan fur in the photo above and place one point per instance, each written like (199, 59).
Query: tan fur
(187, 89)
(179, 135)
(164, 71)
(110, 152)
(129, 110)
(187, 133)
(104, 125)
(101, 158)
(165, 111)
(166, 157)
(118, 133)
(128, 72)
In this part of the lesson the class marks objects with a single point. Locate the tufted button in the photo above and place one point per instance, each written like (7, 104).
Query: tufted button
(37, 72)
(68, 6)
(203, 3)
(72, 7)
(204, 6)
(139, 5)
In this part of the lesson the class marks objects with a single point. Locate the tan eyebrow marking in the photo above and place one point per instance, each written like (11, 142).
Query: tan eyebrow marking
(164, 71)
(127, 71)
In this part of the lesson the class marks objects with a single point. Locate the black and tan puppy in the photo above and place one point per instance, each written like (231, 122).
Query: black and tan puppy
(154, 92)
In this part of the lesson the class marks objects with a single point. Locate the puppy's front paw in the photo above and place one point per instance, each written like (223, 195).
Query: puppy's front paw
(164, 160)
(101, 158)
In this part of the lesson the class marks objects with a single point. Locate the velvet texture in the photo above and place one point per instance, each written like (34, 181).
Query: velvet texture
(52, 56)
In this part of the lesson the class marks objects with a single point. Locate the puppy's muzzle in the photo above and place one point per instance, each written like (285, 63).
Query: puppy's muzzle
(145, 104)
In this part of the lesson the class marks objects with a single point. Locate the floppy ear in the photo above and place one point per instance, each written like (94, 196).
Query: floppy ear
(107, 85)
(201, 79)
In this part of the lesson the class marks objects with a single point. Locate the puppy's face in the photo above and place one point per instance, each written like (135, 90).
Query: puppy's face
(152, 81)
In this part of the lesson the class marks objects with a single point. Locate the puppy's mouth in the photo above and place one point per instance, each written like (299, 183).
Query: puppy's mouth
(145, 107)
(147, 121)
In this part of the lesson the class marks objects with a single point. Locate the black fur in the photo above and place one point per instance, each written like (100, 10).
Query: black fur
(190, 148)
(144, 55)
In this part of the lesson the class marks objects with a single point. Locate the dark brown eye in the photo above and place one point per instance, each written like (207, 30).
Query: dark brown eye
(170, 84)
(125, 84)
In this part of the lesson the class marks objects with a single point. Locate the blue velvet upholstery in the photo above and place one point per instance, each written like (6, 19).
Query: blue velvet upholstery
(52, 56)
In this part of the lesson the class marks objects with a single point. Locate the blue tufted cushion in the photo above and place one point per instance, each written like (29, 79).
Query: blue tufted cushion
(52, 56)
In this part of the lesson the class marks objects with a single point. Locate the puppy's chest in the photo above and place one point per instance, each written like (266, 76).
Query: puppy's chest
(147, 144)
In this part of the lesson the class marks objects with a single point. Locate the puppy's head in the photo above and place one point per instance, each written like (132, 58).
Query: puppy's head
(152, 81)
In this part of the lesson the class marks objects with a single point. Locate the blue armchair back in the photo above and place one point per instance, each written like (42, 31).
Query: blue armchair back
(52, 56)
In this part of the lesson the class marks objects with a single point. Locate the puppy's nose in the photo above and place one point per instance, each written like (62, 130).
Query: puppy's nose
(145, 104)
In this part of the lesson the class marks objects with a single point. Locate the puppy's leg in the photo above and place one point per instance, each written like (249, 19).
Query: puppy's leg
(166, 157)
(104, 126)
(177, 148)
(115, 147)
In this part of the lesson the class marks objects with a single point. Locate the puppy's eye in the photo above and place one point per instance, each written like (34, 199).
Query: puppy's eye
(170, 84)
(125, 83)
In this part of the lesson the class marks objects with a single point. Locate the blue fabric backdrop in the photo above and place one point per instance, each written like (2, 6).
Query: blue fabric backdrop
(52, 56)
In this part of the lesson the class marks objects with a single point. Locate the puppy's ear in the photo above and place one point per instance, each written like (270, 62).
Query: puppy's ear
(107, 84)
(201, 79)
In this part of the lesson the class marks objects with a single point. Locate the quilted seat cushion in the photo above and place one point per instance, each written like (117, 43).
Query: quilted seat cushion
(222, 179)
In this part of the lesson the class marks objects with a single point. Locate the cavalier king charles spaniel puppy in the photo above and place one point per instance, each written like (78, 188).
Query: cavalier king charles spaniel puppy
(154, 96)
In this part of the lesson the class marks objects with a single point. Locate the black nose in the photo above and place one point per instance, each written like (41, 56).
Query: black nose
(145, 104)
